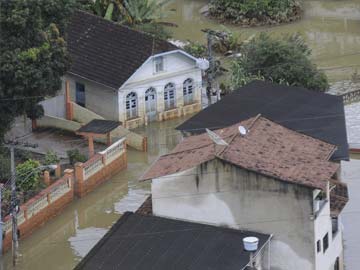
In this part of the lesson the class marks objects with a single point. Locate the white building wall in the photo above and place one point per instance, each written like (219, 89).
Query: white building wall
(322, 225)
(178, 68)
(98, 98)
(221, 194)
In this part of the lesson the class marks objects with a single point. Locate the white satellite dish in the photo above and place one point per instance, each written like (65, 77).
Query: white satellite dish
(216, 138)
(242, 130)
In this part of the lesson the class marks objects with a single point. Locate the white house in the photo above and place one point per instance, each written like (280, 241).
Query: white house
(266, 178)
(129, 76)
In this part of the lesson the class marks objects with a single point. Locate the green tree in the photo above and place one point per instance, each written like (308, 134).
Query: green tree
(33, 55)
(27, 175)
(283, 60)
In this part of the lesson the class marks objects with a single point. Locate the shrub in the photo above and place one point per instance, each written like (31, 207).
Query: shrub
(27, 175)
(51, 158)
(255, 12)
(196, 49)
(285, 60)
(75, 156)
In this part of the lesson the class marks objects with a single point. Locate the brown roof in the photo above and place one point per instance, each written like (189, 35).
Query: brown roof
(146, 208)
(338, 197)
(268, 148)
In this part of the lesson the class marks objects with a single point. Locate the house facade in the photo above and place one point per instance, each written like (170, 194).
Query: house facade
(129, 76)
(262, 181)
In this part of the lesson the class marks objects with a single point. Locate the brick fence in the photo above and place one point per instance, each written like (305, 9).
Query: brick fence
(38, 210)
(100, 168)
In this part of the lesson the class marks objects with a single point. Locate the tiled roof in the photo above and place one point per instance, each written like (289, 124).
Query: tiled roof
(99, 126)
(268, 148)
(315, 114)
(139, 242)
(106, 52)
(338, 197)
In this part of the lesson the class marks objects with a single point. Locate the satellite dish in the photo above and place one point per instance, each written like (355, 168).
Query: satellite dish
(216, 138)
(242, 130)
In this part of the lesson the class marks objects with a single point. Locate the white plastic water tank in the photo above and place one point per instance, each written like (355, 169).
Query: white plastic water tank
(202, 63)
(251, 243)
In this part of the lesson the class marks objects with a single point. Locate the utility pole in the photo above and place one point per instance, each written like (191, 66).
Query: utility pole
(13, 205)
(1, 230)
(211, 73)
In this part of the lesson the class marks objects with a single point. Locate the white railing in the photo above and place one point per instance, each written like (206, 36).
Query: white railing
(113, 151)
(59, 191)
(93, 167)
(37, 206)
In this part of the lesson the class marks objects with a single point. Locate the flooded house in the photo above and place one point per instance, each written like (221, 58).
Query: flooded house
(125, 75)
(261, 176)
(138, 242)
(315, 114)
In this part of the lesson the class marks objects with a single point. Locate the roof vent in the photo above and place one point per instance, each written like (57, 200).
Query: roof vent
(251, 243)
(242, 130)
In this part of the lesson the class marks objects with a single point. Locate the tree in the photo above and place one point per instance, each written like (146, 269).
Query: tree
(27, 175)
(33, 55)
(283, 60)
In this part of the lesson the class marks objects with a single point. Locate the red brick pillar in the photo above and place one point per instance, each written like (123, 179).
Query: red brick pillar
(58, 171)
(33, 124)
(47, 178)
(79, 176)
(68, 104)
(69, 175)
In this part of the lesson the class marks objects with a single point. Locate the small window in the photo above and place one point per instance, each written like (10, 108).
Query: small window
(337, 264)
(335, 225)
(325, 242)
(80, 94)
(318, 246)
(159, 64)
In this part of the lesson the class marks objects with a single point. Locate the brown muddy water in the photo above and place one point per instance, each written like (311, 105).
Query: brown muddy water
(330, 27)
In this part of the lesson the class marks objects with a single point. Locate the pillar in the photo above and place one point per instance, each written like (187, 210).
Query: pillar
(108, 139)
(91, 146)
(58, 171)
(79, 177)
(68, 104)
(47, 178)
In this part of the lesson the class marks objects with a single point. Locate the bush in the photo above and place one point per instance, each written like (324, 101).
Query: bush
(51, 158)
(27, 175)
(285, 61)
(196, 49)
(75, 156)
(255, 12)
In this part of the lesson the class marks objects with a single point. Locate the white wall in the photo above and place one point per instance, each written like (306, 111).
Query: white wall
(98, 98)
(221, 194)
(178, 68)
(54, 106)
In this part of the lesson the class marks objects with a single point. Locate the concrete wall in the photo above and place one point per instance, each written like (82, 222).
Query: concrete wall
(55, 122)
(224, 195)
(54, 106)
(98, 98)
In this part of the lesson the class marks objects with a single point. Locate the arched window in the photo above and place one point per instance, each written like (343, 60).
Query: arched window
(188, 91)
(131, 105)
(169, 96)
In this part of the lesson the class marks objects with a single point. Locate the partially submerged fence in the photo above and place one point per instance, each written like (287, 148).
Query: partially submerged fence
(100, 167)
(351, 97)
(38, 210)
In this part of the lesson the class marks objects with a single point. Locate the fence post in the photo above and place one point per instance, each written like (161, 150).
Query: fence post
(58, 171)
(47, 178)
(79, 177)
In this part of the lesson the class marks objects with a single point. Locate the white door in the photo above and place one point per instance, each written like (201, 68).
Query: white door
(150, 104)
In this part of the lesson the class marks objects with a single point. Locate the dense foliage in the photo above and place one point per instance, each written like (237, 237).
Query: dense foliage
(74, 156)
(27, 175)
(33, 55)
(143, 15)
(282, 60)
(196, 49)
(51, 158)
(255, 12)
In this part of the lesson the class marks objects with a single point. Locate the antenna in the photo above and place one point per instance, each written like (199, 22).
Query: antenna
(242, 130)
(216, 138)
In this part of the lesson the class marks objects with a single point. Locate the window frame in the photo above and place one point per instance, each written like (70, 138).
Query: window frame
(318, 246)
(325, 242)
(131, 110)
(167, 96)
(159, 64)
(188, 91)
(80, 87)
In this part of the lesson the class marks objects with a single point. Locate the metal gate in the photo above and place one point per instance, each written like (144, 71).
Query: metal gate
(150, 104)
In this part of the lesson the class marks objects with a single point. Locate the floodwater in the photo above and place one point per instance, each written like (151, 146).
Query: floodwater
(330, 27)
(61, 243)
